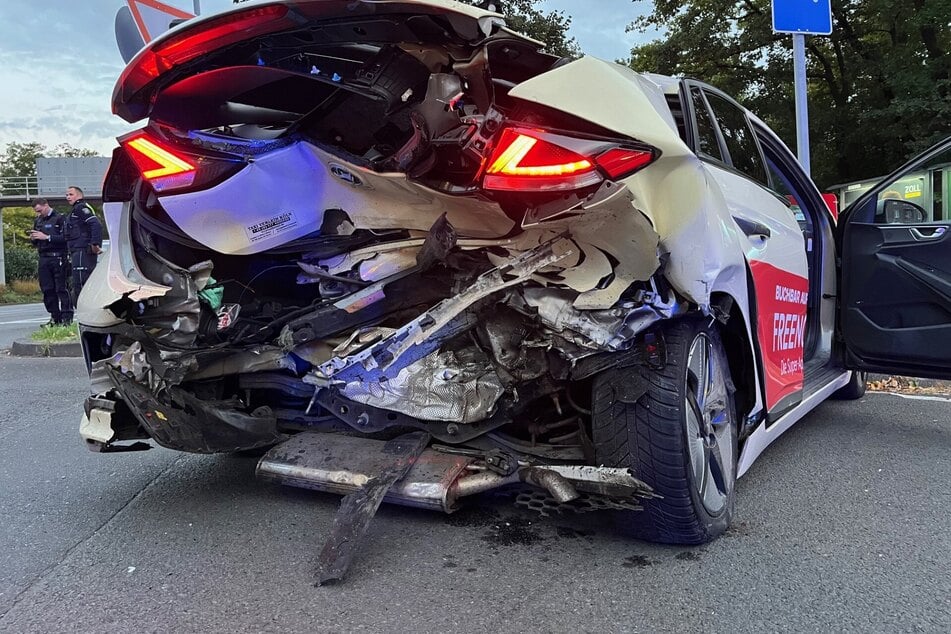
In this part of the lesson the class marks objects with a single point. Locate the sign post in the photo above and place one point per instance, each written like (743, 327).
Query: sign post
(801, 18)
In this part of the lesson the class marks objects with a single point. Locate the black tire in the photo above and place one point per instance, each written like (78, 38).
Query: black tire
(641, 420)
(854, 389)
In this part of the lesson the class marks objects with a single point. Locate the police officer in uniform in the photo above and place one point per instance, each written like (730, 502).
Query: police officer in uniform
(49, 238)
(83, 238)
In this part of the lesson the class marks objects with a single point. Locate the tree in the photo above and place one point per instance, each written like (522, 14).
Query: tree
(879, 87)
(19, 159)
(68, 151)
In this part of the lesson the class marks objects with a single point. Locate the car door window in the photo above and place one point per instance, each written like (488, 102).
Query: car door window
(707, 142)
(744, 153)
(921, 197)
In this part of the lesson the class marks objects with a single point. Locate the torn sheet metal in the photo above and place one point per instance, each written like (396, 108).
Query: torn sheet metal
(357, 509)
(674, 192)
(118, 277)
(618, 229)
(443, 386)
(132, 361)
(416, 339)
(607, 224)
(255, 359)
(371, 265)
(610, 330)
(360, 339)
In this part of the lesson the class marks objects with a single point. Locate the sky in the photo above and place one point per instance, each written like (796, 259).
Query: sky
(59, 63)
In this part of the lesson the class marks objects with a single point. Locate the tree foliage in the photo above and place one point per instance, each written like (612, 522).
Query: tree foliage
(879, 86)
(19, 159)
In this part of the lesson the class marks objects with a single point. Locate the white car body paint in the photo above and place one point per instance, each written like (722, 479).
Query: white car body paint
(120, 277)
(283, 196)
(763, 435)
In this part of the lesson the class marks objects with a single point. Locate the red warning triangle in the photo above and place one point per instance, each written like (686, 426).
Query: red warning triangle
(153, 18)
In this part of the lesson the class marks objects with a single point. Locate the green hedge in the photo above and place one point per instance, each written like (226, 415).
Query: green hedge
(21, 263)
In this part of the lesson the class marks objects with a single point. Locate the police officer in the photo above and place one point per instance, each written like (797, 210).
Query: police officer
(83, 238)
(48, 236)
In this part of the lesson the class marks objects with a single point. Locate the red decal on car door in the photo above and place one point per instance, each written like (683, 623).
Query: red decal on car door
(781, 299)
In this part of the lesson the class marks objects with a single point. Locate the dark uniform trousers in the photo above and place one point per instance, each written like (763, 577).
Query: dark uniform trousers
(83, 230)
(53, 268)
(82, 262)
(54, 284)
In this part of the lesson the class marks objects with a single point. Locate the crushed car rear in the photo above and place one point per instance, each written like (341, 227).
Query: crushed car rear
(382, 217)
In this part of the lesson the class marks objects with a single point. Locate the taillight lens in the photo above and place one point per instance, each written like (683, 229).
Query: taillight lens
(155, 161)
(537, 160)
(198, 39)
(167, 168)
(523, 161)
(220, 32)
(621, 162)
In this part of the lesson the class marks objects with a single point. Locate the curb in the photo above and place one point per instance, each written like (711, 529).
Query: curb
(24, 348)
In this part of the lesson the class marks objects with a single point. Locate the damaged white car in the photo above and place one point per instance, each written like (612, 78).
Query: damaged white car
(423, 259)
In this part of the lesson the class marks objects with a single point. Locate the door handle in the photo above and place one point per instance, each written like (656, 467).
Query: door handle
(752, 228)
(928, 233)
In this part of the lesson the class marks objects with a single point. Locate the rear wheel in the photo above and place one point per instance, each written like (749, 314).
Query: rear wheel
(854, 389)
(676, 429)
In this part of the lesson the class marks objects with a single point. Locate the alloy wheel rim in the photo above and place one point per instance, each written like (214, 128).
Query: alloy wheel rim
(709, 433)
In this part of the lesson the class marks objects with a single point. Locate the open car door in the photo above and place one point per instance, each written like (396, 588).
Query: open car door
(895, 271)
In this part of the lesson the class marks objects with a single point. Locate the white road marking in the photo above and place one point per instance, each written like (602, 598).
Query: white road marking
(916, 397)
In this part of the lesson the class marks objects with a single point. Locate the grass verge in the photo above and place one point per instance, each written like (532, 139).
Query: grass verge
(21, 292)
(56, 334)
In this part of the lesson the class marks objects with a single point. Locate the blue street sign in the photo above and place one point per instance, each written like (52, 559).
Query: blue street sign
(809, 17)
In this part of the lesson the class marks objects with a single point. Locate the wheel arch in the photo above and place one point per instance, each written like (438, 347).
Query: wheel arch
(733, 326)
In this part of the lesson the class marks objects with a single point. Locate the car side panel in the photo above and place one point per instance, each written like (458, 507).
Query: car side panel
(777, 260)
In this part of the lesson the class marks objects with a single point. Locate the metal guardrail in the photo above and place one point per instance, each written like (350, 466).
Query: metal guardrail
(19, 187)
(25, 188)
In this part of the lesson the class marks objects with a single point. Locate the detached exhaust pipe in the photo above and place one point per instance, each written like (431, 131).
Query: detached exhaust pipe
(438, 480)
(559, 487)
(340, 464)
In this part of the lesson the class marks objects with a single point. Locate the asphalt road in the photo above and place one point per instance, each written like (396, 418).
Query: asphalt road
(842, 525)
(17, 321)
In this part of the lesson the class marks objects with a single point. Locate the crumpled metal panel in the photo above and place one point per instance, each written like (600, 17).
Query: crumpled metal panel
(443, 386)
(612, 329)
(445, 320)
(254, 359)
(608, 223)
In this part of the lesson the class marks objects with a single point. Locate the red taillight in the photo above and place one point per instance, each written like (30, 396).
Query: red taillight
(521, 155)
(203, 37)
(524, 162)
(621, 161)
(535, 160)
(220, 32)
(161, 166)
(167, 168)
(155, 161)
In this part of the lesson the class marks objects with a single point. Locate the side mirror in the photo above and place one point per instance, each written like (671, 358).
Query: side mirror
(894, 211)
